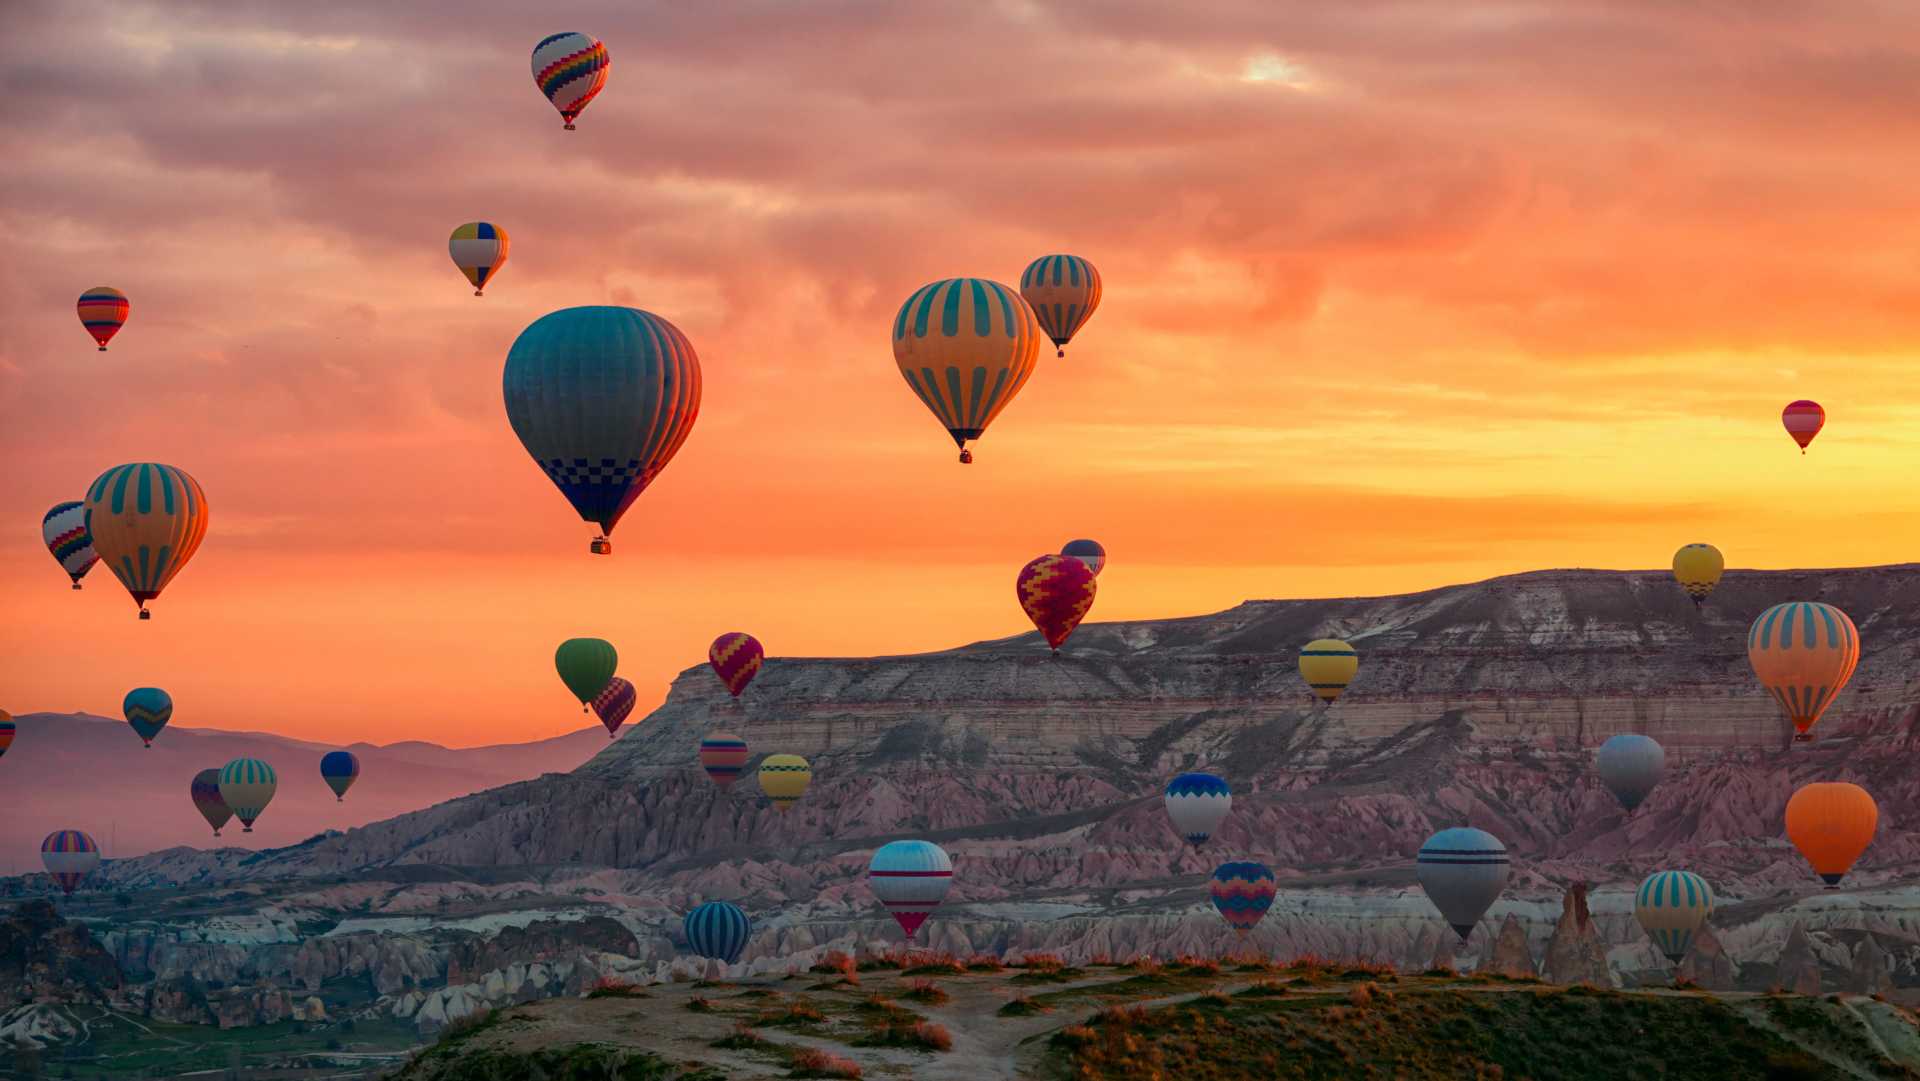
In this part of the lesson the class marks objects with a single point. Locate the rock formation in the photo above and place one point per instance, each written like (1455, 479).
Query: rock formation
(1707, 963)
(1575, 953)
(44, 958)
(1798, 969)
(1510, 954)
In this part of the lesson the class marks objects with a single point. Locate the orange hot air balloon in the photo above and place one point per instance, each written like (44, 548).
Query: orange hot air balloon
(1804, 652)
(1831, 824)
(1056, 591)
(1803, 420)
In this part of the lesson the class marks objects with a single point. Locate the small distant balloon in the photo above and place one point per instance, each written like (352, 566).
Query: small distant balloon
(614, 703)
(1089, 552)
(1671, 906)
(586, 666)
(570, 68)
(718, 931)
(1630, 765)
(7, 728)
(103, 311)
(246, 787)
(479, 249)
(339, 769)
(1832, 823)
(723, 755)
(69, 857)
(1803, 420)
(784, 778)
(1328, 665)
(1697, 567)
(736, 657)
(1803, 652)
(1197, 803)
(1242, 892)
(911, 878)
(147, 709)
(1063, 290)
(65, 531)
(1057, 592)
(205, 791)
(1463, 871)
(147, 520)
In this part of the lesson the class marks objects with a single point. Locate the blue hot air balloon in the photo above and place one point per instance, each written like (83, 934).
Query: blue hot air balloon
(1630, 764)
(1463, 871)
(339, 769)
(602, 398)
(718, 930)
(148, 710)
(1197, 802)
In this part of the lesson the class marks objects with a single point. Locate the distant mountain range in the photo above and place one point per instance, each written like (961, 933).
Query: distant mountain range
(78, 771)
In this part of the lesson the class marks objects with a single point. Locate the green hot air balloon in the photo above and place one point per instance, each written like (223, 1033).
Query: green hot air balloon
(586, 666)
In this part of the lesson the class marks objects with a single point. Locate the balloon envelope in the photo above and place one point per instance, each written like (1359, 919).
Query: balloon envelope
(1803, 652)
(736, 657)
(1062, 290)
(147, 520)
(65, 531)
(1089, 552)
(147, 709)
(1803, 420)
(479, 249)
(602, 398)
(1056, 592)
(69, 857)
(1463, 871)
(205, 791)
(1328, 665)
(784, 778)
(586, 666)
(339, 769)
(1671, 906)
(1697, 567)
(1242, 892)
(103, 311)
(7, 729)
(911, 878)
(966, 346)
(247, 786)
(718, 930)
(1630, 765)
(570, 68)
(723, 755)
(1197, 802)
(614, 703)
(1832, 823)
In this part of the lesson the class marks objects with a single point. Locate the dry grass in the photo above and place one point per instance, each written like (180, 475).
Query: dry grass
(984, 962)
(797, 1013)
(699, 1005)
(742, 1038)
(836, 962)
(925, 991)
(1263, 989)
(1022, 1006)
(923, 1035)
(813, 1062)
(610, 988)
(932, 964)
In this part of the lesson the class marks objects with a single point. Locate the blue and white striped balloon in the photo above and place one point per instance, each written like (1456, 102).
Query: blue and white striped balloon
(1197, 802)
(1463, 871)
(718, 930)
(911, 878)
(1671, 906)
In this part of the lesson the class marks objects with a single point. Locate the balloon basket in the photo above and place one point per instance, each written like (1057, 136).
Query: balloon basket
(567, 127)
(476, 292)
(76, 585)
(104, 349)
(966, 457)
(144, 614)
(601, 546)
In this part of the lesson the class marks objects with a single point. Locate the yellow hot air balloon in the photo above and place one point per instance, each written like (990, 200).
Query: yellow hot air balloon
(784, 778)
(479, 249)
(1328, 665)
(147, 520)
(1697, 568)
(966, 346)
(1804, 652)
(1831, 824)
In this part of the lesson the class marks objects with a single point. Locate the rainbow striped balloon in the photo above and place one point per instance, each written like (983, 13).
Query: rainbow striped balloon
(1063, 290)
(69, 857)
(65, 531)
(1804, 653)
(723, 755)
(1671, 906)
(103, 311)
(570, 68)
(1242, 892)
(479, 249)
(736, 657)
(911, 878)
(247, 786)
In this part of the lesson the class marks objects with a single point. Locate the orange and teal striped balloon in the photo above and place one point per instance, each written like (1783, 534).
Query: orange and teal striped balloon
(147, 520)
(1804, 652)
(966, 346)
(1063, 290)
(247, 786)
(103, 311)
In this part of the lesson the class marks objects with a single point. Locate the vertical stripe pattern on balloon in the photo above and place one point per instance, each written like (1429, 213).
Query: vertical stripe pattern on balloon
(1671, 906)
(965, 346)
(247, 786)
(718, 931)
(1063, 290)
(69, 857)
(147, 521)
(1803, 653)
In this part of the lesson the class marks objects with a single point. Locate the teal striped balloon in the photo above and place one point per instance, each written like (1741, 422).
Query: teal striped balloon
(148, 709)
(1671, 906)
(246, 787)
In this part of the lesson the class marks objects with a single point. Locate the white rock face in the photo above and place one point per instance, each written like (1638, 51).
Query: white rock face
(37, 1025)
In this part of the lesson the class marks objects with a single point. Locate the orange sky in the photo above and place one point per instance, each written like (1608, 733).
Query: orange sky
(1397, 295)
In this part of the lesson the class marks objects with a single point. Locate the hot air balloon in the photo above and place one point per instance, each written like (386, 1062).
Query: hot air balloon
(7, 728)
(1242, 892)
(736, 657)
(148, 709)
(966, 346)
(147, 520)
(1063, 290)
(911, 878)
(246, 787)
(614, 703)
(1803, 420)
(1831, 823)
(570, 68)
(1463, 871)
(1804, 652)
(586, 666)
(1088, 552)
(602, 398)
(1197, 802)
(65, 531)
(784, 778)
(1697, 568)
(718, 931)
(1630, 765)
(1671, 906)
(69, 856)
(339, 769)
(479, 249)
(1057, 592)
(103, 311)
(1328, 665)
(722, 755)
(206, 799)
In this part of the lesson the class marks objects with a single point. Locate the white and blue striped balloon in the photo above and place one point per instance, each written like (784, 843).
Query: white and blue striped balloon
(1197, 802)
(1463, 871)
(718, 930)
(1671, 906)
(911, 878)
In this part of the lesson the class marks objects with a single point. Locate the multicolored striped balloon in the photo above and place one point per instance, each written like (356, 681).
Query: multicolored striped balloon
(1197, 803)
(602, 398)
(1698, 567)
(784, 778)
(1089, 552)
(966, 346)
(1243, 892)
(1463, 871)
(613, 704)
(1057, 593)
(339, 769)
(7, 729)
(736, 657)
(1671, 906)
(205, 792)
(479, 249)
(1328, 665)
(247, 786)
(570, 68)
(103, 311)
(69, 857)
(147, 709)
(1063, 290)
(723, 755)
(911, 878)
(718, 931)
(1804, 653)
(1803, 420)
(65, 531)
(147, 520)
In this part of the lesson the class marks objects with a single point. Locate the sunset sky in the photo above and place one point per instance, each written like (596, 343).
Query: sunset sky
(1397, 295)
